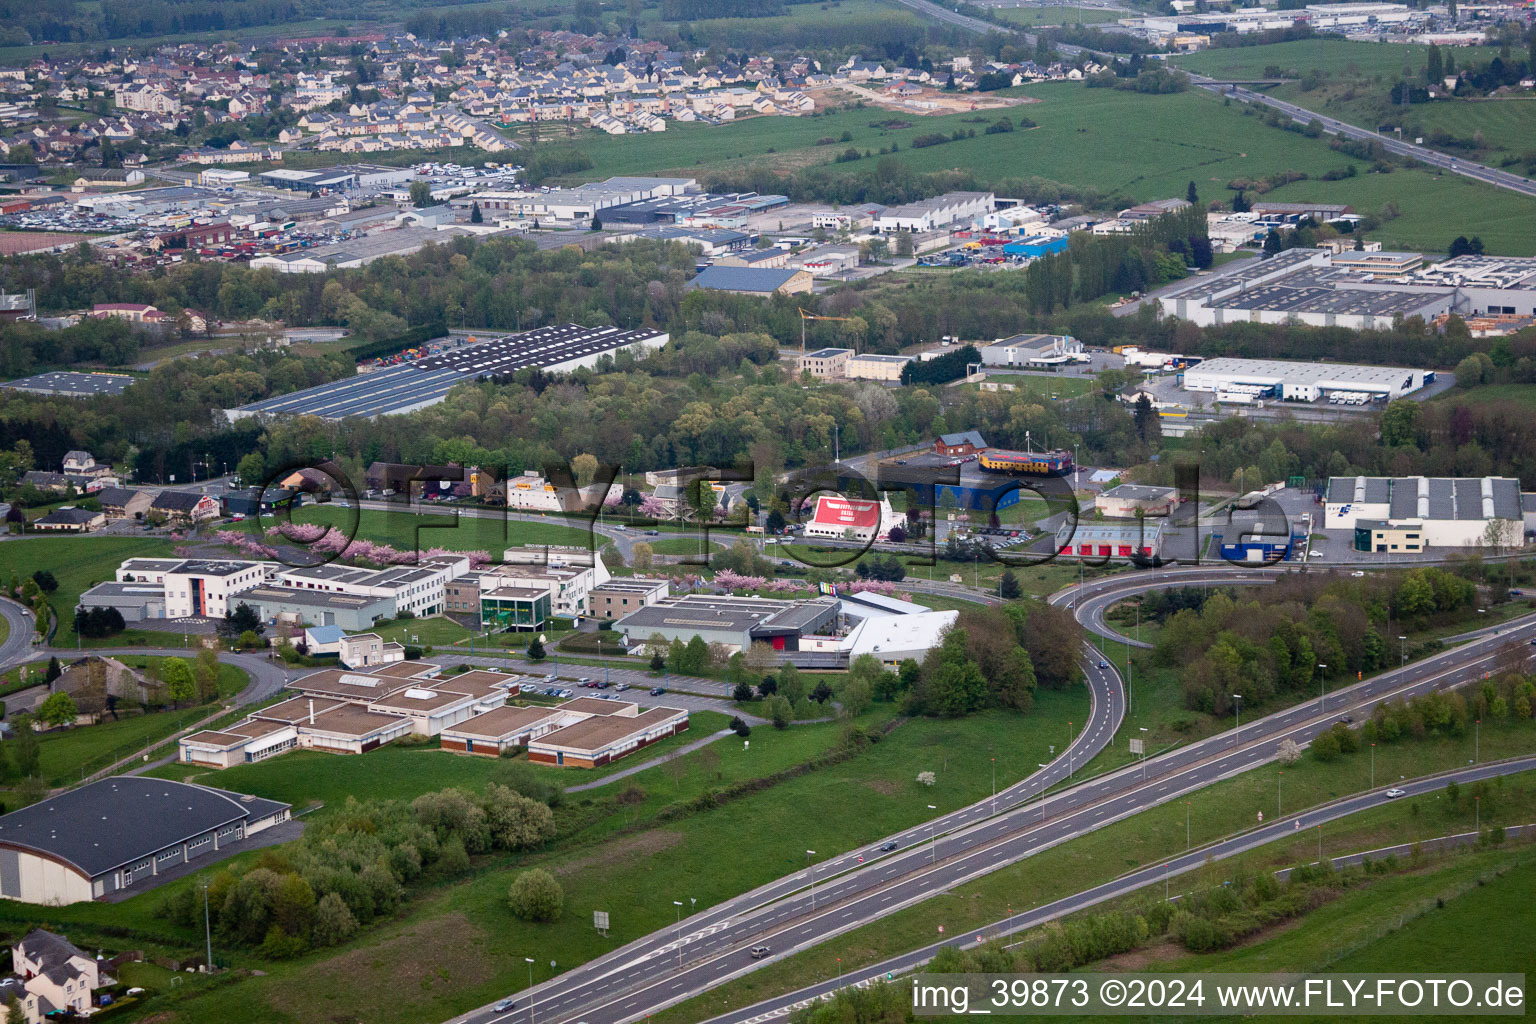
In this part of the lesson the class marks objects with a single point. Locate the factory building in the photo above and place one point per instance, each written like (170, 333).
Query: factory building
(1239, 381)
(1134, 538)
(1127, 501)
(417, 384)
(1413, 513)
(1038, 351)
(938, 212)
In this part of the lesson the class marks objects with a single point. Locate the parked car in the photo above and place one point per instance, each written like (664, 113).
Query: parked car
(601, 684)
(622, 687)
(585, 681)
(657, 691)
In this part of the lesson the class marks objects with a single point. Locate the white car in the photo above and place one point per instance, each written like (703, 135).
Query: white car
(1393, 794)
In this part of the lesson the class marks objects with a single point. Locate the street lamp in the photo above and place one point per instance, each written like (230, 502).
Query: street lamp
(812, 868)
(529, 959)
(933, 840)
(1322, 687)
(1042, 796)
(1402, 650)
(994, 785)
(1143, 753)
(1237, 739)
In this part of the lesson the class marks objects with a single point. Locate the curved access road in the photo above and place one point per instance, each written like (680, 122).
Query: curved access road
(781, 1006)
(863, 886)
(18, 638)
(1091, 600)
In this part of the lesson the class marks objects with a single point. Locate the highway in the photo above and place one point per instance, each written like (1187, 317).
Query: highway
(862, 885)
(1396, 146)
(1153, 874)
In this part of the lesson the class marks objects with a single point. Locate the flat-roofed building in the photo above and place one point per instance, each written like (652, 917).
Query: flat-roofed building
(869, 366)
(1442, 511)
(1134, 538)
(495, 732)
(622, 595)
(595, 741)
(1128, 500)
(824, 362)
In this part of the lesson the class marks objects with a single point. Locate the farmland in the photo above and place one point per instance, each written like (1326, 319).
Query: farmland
(15, 243)
(1029, 17)
(1127, 145)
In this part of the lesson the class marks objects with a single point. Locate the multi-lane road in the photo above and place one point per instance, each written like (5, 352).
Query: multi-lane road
(1151, 875)
(866, 884)
(1391, 143)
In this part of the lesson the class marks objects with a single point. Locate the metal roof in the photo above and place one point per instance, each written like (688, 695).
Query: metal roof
(123, 819)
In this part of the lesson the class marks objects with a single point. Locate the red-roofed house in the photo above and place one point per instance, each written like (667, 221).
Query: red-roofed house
(853, 519)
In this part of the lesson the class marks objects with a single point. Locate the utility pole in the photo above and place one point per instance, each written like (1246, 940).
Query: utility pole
(207, 928)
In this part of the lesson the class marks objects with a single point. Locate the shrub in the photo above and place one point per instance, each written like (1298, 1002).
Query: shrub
(536, 896)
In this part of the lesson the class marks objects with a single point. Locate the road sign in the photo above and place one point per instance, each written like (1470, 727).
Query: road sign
(600, 920)
(1138, 746)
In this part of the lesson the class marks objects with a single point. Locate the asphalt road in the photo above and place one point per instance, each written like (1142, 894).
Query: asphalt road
(863, 885)
(18, 639)
(780, 1006)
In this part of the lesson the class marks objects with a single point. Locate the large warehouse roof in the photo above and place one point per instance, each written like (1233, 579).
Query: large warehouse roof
(1276, 371)
(74, 385)
(1444, 498)
(415, 385)
(122, 819)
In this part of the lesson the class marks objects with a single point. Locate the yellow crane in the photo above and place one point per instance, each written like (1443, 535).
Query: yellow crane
(804, 316)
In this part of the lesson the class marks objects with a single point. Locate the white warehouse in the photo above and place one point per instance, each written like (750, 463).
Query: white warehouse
(1436, 511)
(1304, 382)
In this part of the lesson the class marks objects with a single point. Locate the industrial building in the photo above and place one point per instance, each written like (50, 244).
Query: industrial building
(856, 519)
(1301, 286)
(120, 833)
(1240, 381)
(69, 384)
(1487, 285)
(354, 252)
(834, 628)
(1127, 501)
(1109, 539)
(423, 382)
(711, 241)
(1413, 513)
(938, 212)
(754, 280)
(1040, 351)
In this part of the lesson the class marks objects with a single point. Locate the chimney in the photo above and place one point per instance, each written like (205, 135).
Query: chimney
(311, 711)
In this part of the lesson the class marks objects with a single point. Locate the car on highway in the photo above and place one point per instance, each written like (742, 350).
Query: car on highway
(504, 1005)
(1103, 664)
(657, 691)
(758, 952)
(888, 846)
(1393, 794)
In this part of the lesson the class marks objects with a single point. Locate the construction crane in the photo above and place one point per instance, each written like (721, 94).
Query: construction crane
(804, 316)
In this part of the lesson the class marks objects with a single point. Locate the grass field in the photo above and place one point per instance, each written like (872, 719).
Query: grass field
(1522, 394)
(1330, 57)
(78, 563)
(67, 755)
(684, 546)
(401, 773)
(1123, 143)
(458, 946)
(411, 532)
(1027, 17)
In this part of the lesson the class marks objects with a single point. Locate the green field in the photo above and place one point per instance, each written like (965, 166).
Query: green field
(1028, 17)
(1520, 394)
(78, 563)
(1328, 56)
(1351, 81)
(411, 532)
(1121, 143)
(399, 773)
(684, 546)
